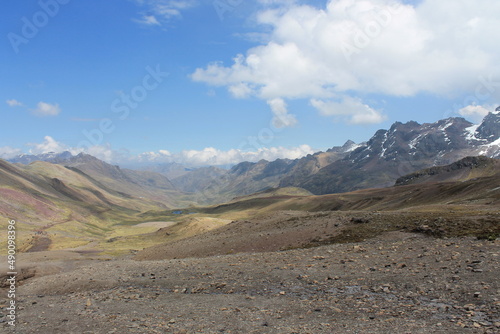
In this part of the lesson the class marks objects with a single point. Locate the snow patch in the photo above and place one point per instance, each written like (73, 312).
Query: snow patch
(446, 126)
(383, 148)
(415, 141)
(471, 132)
(352, 148)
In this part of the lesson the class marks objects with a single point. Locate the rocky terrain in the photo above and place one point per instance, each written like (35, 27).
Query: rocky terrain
(407, 282)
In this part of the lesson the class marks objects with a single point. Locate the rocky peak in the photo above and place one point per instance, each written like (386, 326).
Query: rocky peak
(347, 147)
(490, 127)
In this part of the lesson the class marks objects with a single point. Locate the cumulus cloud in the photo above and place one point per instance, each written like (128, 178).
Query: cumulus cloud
(158, 11)
(14, 103)
(48, 145)
(475, 112)
(47, 109)
(282, 118)
(351, 110)
(353, 47)
(102, 152)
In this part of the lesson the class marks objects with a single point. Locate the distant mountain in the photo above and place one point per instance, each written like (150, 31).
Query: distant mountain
(143, 184)
(51, 157)
(247, 178)
(388, 155)
(46, 193)
(403, 149)
(198, 179)
(170, 170)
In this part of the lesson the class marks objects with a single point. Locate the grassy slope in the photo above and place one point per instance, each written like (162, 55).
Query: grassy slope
(72, 208)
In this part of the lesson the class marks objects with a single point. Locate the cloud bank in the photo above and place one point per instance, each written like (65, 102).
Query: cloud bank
(194, 158)
(215, 157)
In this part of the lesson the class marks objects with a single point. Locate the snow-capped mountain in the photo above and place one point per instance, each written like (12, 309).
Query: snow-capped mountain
(51, 157)
(406, 148)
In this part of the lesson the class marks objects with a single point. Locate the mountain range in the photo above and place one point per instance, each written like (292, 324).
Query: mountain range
(379, 162)
(389, 155)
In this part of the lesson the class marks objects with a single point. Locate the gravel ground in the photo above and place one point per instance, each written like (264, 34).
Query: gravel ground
(398, 282)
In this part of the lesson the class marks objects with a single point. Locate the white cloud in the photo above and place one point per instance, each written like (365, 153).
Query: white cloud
(207, 156)
(48, 145)
(161, 155)
(281, 119)
(47, 109)
(7, 152)
(149, 20)
(240, 91)
(351, 110)
(157, 11)
(355, 47)
(213, 156)
(475, 112)
(103, 152)
(14, 103)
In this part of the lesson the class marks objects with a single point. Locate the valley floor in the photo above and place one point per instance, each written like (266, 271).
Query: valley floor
(396, 282)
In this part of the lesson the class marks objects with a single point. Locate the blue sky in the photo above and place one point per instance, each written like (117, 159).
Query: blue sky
(218, 82)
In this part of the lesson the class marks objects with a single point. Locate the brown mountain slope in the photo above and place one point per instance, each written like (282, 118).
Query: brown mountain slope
(462, 170)
(55, 206)
(141, 184)
(277, 222)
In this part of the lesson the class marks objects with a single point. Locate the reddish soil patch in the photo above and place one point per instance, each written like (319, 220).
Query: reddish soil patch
(40, 244)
